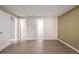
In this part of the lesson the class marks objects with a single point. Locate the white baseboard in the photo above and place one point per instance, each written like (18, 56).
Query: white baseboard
(30, 39)
(4, 46)
(68, 45)
(50, 39)
(40, 38)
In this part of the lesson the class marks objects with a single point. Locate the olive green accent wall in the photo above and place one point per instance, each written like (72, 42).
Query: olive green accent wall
(68, 27)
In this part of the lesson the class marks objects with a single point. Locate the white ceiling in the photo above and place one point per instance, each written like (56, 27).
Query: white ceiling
(38, 10)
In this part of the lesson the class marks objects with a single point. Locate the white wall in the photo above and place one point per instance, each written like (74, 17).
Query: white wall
(50, 28)
(5, 28)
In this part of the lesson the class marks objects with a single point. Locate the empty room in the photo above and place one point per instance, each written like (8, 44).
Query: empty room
(39, 29)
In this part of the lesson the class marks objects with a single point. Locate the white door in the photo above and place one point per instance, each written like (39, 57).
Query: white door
(40, 28)
(4, 29)
(22, 29)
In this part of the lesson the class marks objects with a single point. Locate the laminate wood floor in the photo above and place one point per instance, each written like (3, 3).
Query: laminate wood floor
(38, 47)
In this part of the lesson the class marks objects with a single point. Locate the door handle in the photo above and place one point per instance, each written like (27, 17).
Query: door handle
(0, 32)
